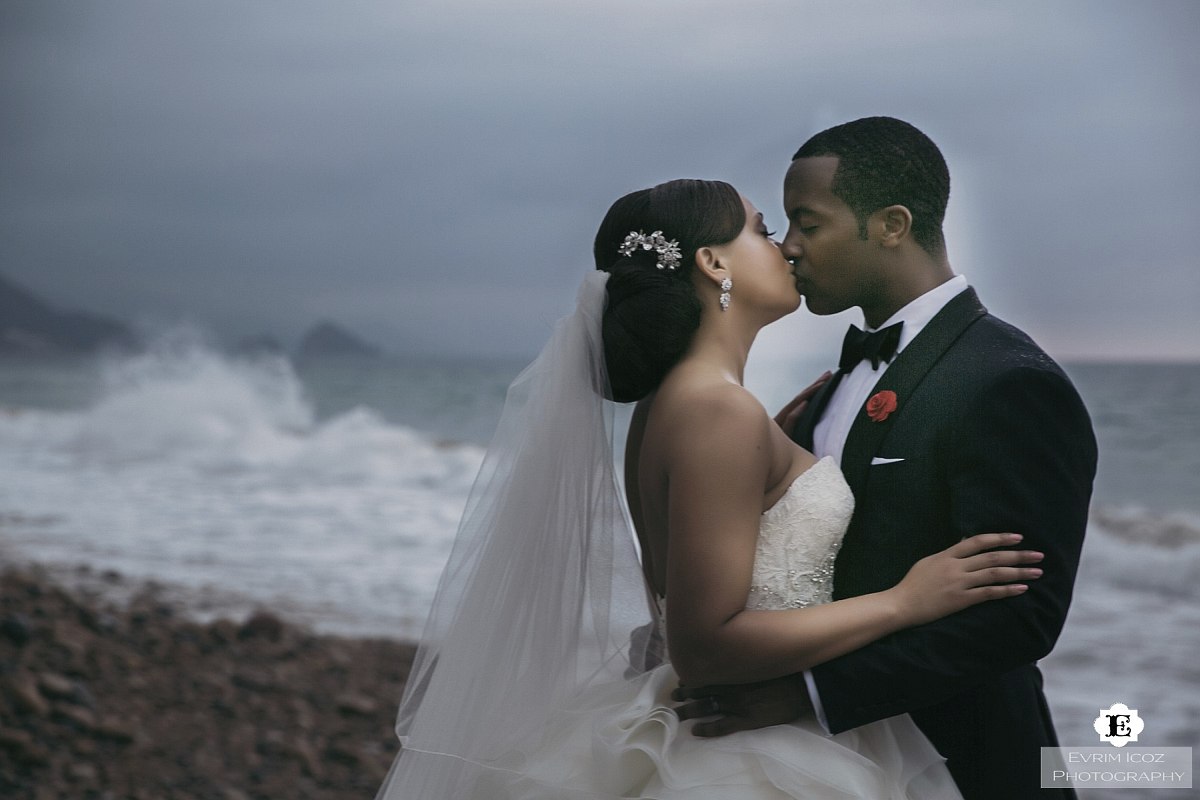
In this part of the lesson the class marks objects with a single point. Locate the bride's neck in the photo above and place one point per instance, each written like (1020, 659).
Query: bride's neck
(723, 347)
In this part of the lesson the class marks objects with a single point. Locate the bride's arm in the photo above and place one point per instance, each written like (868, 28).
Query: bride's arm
(719, 458)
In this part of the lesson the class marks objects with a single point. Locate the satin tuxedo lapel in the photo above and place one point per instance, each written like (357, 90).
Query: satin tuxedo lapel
(903, 376)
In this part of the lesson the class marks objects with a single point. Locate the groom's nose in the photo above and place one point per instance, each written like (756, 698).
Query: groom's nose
(791, 246)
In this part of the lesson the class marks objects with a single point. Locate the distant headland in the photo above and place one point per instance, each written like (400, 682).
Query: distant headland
(31, 326)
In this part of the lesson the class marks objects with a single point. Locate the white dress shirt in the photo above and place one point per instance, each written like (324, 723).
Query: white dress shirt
(849, 397)
(829, 437)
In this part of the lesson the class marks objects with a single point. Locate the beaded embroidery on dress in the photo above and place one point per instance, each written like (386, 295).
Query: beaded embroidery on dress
(799, 538)
(623, 740)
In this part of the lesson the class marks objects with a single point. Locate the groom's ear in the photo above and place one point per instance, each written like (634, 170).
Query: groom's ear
(892, 225)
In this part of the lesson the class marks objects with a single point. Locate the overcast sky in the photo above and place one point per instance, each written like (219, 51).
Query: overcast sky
(431, 174)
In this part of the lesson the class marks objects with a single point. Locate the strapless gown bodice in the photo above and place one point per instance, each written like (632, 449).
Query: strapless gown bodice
(798, 540)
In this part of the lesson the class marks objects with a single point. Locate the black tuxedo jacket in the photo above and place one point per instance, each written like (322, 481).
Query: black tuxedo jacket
(993, 438)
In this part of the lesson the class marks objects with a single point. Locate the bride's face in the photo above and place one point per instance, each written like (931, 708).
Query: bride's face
(762, 277)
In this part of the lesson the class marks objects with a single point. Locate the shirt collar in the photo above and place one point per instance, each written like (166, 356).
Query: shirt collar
(917, 314)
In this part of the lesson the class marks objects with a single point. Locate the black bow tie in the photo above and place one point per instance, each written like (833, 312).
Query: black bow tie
(874, 347)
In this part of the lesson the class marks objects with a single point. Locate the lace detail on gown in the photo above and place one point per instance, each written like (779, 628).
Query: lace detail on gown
(799, 538)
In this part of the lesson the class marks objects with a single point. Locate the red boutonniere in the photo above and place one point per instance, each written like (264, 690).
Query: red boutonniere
(881, 405)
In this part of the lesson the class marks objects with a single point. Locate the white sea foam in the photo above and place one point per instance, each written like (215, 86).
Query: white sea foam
(206, 471)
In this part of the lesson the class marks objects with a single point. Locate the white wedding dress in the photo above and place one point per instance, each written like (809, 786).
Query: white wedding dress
(520, 687)
(623, 739)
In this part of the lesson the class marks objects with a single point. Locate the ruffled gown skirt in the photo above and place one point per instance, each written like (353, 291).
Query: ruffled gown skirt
(623, 740)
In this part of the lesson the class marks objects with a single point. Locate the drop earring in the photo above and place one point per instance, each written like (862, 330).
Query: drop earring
(726, 285)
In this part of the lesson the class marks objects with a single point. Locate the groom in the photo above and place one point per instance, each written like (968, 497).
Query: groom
(947, 422)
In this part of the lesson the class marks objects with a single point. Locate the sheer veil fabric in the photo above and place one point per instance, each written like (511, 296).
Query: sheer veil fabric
(542, 589)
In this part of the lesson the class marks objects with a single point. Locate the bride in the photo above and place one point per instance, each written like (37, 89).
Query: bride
(551, 652)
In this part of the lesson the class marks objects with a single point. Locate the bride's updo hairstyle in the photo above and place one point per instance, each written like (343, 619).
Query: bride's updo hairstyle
(652, 313)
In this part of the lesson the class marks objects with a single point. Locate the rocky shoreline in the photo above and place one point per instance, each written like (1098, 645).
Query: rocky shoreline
(137, 700)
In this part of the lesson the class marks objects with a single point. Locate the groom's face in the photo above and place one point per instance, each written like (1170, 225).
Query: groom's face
(830, 259)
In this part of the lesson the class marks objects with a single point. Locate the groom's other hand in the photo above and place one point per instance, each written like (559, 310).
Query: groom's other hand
(744, 707)
(787, 416)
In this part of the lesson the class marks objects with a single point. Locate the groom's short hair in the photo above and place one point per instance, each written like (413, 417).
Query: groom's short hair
(884, 161)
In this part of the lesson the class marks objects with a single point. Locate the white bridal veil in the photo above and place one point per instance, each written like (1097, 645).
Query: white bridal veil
(543, 588)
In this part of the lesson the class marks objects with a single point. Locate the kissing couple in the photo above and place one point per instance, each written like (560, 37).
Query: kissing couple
(847, 600)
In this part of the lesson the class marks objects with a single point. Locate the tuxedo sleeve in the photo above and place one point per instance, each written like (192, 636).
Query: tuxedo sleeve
(1020, 458)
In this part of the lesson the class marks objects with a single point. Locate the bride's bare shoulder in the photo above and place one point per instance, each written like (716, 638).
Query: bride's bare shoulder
(700, 408)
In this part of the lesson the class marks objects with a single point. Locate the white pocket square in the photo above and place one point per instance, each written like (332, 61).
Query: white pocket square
(877, 460)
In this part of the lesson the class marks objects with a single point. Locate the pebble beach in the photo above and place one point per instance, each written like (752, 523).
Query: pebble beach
(99, 700)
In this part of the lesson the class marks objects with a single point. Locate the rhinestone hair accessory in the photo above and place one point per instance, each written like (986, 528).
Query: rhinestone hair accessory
(668, 251)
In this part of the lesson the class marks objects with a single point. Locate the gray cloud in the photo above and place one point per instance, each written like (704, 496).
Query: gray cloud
(432, 173)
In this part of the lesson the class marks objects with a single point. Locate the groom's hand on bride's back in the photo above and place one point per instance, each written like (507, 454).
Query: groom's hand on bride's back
(787, 416)
(744, 707)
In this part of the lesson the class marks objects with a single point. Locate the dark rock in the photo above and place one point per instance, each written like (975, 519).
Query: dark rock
(223, 631)
(341, 659)
(81, 696)
(305, 754)
(77, 716)
(22, 687)
(259, 679)
(344, 753)
(75, 638)
(111, 727)
(33, 589)
(262, 625)
(83, 773)
(17, 627)
(329, 340)
(30, 326)
(21, 746)
(356, 704)
(12, 739)
(303, 714)
(54, 685)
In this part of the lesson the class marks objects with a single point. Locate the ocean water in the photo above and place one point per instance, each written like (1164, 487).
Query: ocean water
(333, 492)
